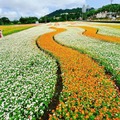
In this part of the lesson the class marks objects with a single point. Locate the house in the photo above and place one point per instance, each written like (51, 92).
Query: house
(101, 15)
(106, 15)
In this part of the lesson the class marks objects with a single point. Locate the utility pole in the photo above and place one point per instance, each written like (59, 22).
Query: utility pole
(83, 11)
(111, 5)
(45, 19)
(66, 16)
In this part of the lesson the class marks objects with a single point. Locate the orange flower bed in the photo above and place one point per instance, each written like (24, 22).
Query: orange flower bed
(92, 32)
(87, 92)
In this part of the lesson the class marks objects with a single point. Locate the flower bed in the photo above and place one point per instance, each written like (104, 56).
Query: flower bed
(27, 76)
(87, 92)
(104, 30)
(108, 54)
(92, 32)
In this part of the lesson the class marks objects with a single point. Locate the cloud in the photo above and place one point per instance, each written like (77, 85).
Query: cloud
(14, 9)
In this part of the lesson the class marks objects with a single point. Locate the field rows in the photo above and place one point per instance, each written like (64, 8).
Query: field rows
(30, 79)
(91, 32)
(27, 76)
(84, 85)
(107, 31)
(108, 54)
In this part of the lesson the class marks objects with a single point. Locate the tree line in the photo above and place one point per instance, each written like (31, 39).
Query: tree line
(22, 20)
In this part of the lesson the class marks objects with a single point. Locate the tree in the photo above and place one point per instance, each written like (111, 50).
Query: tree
(90, 13)
(28, 20)
(4, 21)
(15, 22)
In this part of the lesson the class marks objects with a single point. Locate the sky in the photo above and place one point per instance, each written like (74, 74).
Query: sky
(14, 9)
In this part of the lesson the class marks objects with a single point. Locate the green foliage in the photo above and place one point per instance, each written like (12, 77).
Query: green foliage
(76, 13)
(63, 15)
(58, 12)
(110, 8)
(60, 15)
(90, 13)
(15, 22)
(28, 20)
(4, 21)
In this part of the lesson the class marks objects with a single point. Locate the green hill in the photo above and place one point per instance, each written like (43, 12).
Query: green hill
(76, 13)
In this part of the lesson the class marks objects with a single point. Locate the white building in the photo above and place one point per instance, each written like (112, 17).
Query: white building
(106, 15)
(101, 15)
(84, 8)
(64, 14)
(37, 22)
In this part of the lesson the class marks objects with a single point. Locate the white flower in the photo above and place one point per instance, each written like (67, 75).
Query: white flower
(24, 69)
(105, 51)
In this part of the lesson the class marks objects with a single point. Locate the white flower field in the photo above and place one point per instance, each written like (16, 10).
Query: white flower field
(27, 76)
(108, 31)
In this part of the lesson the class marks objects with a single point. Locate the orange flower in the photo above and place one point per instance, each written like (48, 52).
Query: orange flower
(92, 32)
(85, 85)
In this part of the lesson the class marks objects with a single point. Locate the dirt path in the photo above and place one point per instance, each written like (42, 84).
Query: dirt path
(92, 32)
(87, 93)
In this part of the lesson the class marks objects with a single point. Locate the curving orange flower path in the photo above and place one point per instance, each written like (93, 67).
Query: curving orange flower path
(92, 32)
(87, 92)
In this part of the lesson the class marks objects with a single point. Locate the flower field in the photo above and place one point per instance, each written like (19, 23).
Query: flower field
(95, 48)
(9, 29)
(106, 30)
(63, 80)
(27, 76)
(91, 32)
(109, 25)
(87, 93)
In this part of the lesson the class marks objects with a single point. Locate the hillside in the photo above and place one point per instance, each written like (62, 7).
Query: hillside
(63, 15)
(109, 8)
(76, 13)
(60, 11)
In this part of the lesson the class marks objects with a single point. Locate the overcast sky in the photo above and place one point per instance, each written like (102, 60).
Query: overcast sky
(14, 9)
